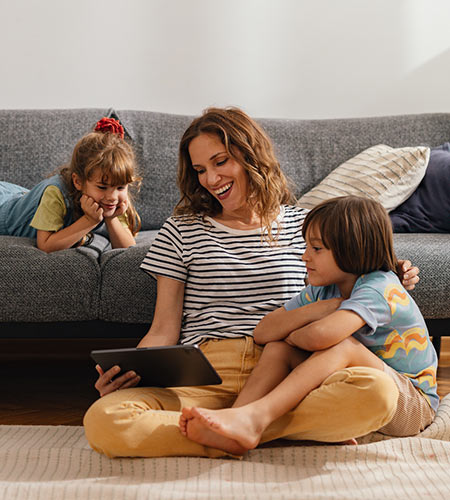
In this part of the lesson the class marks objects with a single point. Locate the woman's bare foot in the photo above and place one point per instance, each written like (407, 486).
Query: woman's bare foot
(351, 441)
(183, 421)
(194, 429)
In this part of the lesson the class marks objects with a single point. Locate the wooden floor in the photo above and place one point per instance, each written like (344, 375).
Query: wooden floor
(52, 383)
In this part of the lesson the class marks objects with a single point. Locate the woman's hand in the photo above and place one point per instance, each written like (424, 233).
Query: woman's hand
(408, 274)
(91, 208)
(165, 330)
(106, 382)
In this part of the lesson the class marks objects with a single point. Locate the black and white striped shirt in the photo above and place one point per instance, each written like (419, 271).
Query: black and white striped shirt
(232, 277)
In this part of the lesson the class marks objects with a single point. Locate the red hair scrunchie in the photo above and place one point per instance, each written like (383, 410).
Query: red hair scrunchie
(110, 125)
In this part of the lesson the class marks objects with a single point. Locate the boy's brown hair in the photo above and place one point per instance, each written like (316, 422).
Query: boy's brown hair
(357, 230)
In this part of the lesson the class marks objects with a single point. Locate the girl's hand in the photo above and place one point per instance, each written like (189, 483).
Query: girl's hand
(408, 274)
(120, 210)
(106, 382)
(91, 208)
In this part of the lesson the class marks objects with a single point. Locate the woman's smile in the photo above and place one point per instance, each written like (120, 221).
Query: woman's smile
(223, 191)
(221, 175)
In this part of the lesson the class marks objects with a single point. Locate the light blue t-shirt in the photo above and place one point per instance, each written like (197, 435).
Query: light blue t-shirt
(395, 329)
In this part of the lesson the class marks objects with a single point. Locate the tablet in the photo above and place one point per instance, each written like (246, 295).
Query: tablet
(166, 366)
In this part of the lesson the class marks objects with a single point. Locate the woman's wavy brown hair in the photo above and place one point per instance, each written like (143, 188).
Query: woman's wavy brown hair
(357, 230)
(115, 159)
(249, 145)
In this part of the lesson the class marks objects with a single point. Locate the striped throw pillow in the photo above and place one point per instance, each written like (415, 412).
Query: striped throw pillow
(380, 172)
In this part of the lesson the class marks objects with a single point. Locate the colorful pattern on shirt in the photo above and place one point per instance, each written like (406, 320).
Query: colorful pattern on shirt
(395, 329)
(232, 278)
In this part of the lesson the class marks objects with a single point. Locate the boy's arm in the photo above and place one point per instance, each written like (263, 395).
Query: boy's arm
(327, 331)
(278, 324)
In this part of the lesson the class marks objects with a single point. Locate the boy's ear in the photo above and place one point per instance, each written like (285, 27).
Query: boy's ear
(77, 182)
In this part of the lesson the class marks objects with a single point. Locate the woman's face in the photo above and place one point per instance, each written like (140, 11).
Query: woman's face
(219, 173)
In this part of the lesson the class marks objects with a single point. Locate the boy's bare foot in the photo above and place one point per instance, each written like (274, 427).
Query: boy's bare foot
(193, 428)
(236, 424)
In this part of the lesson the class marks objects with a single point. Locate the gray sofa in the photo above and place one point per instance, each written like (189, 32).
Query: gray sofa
(97, 291)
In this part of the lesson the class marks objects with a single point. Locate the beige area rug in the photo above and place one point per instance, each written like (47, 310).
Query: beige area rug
(55, 462)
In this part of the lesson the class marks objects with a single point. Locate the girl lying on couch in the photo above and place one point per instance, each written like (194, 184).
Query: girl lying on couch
(63, 210)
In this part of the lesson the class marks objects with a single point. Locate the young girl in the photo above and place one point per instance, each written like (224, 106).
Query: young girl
(354, 312)
(63, 210)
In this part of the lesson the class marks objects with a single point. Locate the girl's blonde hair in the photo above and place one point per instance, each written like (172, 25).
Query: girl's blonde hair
(357, 230)
(249, 145)
(111, 155)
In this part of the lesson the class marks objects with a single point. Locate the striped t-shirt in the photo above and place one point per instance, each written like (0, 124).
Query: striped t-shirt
(232, 277)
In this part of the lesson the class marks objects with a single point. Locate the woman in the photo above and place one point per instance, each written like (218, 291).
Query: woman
(231, 254)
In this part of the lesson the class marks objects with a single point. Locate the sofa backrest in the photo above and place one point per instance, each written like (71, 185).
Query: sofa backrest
(308, 150)
(33, 143)
(155, 137)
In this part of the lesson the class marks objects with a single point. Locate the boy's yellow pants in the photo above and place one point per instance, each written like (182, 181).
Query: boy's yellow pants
(143, 421)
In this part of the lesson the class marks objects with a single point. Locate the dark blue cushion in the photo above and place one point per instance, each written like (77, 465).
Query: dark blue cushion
(427, 210)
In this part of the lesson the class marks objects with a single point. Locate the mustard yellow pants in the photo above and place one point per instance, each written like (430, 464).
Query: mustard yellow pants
(143, 421)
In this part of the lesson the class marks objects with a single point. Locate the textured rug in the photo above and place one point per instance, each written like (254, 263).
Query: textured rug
(55, 462)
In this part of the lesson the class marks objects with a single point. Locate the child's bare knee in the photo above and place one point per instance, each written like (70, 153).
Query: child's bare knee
(277, 348)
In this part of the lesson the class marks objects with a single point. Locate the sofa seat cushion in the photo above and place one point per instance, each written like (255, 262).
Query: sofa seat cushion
(127, 294)
(41, 287)
(430, 253)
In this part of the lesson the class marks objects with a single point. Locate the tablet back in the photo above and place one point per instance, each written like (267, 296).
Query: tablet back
(167, 366)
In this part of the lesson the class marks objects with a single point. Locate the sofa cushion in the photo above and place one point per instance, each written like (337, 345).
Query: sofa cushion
(427, 210)
(37, 287)
(430, 253)
(307, 150)
(34, 143)
(381, 172)
(155, 138)
(127, 294)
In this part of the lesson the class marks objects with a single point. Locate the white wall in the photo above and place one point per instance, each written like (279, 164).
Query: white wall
(273, 58)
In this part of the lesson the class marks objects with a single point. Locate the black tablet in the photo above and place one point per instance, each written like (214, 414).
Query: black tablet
(167, 366)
